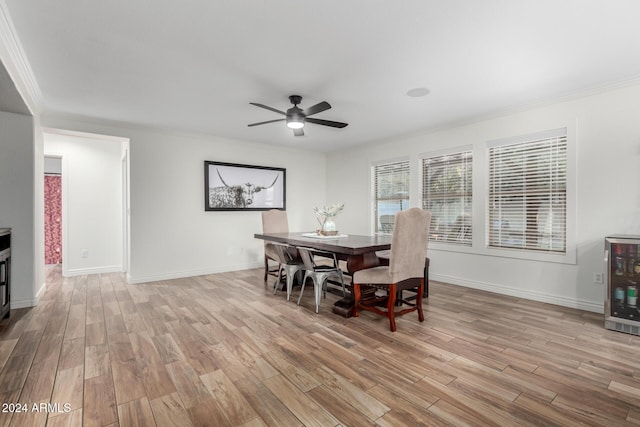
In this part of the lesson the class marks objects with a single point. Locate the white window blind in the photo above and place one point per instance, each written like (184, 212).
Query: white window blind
(527, 193)
(447, 192)
(391, 188)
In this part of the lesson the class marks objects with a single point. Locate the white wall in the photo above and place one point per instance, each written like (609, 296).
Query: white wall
(18, 207)
(604, 131)
(92, 202)
(171, 234)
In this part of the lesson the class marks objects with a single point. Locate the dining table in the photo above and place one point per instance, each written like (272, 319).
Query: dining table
(358, 251)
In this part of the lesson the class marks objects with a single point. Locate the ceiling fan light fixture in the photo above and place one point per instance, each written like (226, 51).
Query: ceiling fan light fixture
(295, 122)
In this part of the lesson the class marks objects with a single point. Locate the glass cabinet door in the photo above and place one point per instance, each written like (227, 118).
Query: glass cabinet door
(624, 278)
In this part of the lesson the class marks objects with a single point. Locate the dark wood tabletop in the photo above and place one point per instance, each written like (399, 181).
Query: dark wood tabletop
(350, 245)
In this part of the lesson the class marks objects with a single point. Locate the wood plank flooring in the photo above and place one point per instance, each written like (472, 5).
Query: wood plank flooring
(222, 350)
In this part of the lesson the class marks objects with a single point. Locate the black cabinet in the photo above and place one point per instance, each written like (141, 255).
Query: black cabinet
(5, 272)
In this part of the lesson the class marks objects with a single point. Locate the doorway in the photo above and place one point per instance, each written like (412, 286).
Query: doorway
(52, 210)
(94, 202)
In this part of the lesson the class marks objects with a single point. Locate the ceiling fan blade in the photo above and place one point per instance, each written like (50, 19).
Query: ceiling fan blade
(298, 132)
(326, 122)
(268, 108)
(264, 123)
(318, 108)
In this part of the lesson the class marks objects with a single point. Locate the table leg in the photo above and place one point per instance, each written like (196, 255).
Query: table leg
(344, 306)
(360, 262)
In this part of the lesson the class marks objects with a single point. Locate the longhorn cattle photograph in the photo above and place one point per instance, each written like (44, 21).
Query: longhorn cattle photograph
(236, 187)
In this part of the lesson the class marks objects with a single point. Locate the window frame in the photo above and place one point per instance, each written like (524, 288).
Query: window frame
(570, 254)
(454, 151)
(374, 198)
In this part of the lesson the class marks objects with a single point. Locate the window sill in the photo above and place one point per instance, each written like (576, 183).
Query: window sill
(567, 258)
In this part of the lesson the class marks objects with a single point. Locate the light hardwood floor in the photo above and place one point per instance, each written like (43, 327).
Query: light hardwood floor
(222, 350)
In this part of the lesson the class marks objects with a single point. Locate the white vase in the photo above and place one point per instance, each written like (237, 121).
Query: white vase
(329, 226)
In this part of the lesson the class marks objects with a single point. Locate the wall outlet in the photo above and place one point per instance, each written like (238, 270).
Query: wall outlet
(84, 253)
(597, 278)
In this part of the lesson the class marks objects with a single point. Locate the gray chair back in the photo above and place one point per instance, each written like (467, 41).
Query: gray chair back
(409, 244)
(275, 221)
(283, 252)
(307, 258)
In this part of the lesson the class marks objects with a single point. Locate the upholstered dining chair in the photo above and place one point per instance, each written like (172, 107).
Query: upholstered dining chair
(273, 221)
(319, 273)
(287, 263)
(406, 267)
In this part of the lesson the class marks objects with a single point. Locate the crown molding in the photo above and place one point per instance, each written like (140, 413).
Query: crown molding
(15, 61)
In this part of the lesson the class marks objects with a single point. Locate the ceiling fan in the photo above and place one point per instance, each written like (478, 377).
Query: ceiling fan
(297, 117)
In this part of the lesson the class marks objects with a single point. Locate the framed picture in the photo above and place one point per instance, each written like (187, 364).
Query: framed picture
(235, 187)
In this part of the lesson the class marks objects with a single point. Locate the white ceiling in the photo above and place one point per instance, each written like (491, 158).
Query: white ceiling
(194, 65)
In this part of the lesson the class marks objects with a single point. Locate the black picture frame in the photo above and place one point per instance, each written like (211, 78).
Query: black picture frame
(238, 187)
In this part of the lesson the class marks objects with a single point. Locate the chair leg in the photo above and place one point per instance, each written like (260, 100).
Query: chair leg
(289, 284)
(304, 282)
(419, 301)
(391, 303)
(266, 268)
(275, 285)
(317, 290)
(355, 287)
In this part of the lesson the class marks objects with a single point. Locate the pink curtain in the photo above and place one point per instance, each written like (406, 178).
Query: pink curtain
(52, 219)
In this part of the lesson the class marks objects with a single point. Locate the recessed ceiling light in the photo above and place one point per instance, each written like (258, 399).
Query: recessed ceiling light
(418, 92)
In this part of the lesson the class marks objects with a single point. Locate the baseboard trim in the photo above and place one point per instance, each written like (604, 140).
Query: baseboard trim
(93, 270)
(520, 293)
(32, 302)
(133, 280)
(24, 303)
(40, 292)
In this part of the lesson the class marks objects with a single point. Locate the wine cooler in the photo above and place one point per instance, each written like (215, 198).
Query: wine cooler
(5, 272)
(622, 257)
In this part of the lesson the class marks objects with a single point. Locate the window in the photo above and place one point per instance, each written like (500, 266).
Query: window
(527, 193)
(391, 189)
(447, 193)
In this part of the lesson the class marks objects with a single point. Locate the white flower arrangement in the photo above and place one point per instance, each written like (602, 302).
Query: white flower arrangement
(326, 212)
